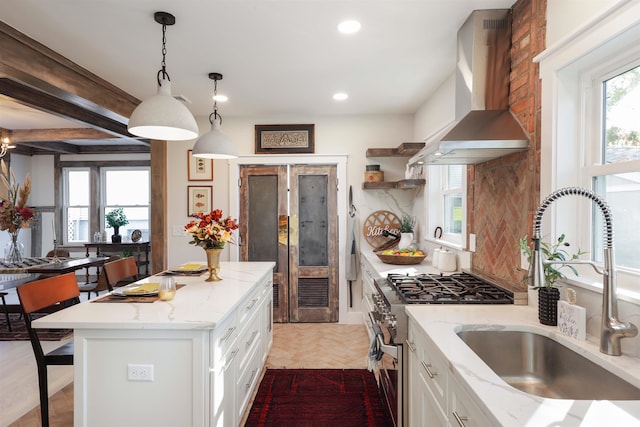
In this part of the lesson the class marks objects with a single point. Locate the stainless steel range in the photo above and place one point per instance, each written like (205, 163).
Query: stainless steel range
(388, 320)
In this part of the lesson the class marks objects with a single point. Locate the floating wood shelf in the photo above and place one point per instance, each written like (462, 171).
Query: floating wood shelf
(385, 185)
(406, 149)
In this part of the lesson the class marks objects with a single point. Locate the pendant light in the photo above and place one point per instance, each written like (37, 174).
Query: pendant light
(215, 144)
(5, 145)
(162, 116)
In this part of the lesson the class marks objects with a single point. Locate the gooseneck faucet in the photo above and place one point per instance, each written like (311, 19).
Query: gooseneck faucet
(612, 330)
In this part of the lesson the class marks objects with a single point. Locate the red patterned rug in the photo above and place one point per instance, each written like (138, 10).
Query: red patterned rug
(318, 397)
(19, 330)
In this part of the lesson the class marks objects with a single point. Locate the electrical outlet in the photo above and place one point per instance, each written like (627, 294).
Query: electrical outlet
(139, 372)
(472, 242)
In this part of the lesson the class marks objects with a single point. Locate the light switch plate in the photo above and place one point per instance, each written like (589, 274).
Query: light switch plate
(178, 230)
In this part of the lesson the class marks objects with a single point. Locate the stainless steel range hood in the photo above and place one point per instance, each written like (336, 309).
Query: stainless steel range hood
(484, 128)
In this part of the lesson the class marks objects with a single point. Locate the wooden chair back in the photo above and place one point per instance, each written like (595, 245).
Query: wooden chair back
(49, 294)
(120, 272)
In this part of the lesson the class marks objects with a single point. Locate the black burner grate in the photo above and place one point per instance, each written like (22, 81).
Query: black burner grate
(459, 288)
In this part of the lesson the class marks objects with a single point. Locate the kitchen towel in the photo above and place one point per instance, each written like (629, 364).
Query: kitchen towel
(375, 352)
(352, 265)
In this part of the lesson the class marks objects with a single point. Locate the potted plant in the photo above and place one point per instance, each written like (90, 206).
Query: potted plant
(549, 294)
(407, 225)
(116, 219)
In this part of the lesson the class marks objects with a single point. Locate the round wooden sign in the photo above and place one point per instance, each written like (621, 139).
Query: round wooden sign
(376, 223)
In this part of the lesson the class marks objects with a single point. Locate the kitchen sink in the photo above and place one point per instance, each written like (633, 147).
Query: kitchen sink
(541, 366)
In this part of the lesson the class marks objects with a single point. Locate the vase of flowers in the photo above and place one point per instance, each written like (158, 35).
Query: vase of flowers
(116, 219)
(211, 231)
(14, 212)
(549, 295)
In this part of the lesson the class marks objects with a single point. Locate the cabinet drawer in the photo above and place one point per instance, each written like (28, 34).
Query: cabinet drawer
(430, 365)
(249, 340)
(247, 381)
(249, 306)
(223, 337)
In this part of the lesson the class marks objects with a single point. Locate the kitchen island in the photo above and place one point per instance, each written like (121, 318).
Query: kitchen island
(467, 385)
(191, 361)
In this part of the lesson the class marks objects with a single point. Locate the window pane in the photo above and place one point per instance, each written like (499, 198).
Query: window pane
(127, 187)
(77, 228)
(453, 213)
(621, 124)
(622, 193)
(454, 176)
(78, 186)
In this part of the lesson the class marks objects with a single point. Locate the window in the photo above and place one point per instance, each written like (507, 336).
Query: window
(591, 138)
(117, 187)
(447, 203)
(613, 151)
(76, 212)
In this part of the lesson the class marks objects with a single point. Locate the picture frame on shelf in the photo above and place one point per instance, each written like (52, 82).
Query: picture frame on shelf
(285, 139)
(199, 198)
(199, 169)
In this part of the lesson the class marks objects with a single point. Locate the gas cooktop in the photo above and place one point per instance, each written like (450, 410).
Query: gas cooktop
(458, 288)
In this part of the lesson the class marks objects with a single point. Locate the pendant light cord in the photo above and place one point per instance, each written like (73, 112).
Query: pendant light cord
(215, 114)
(163, 70)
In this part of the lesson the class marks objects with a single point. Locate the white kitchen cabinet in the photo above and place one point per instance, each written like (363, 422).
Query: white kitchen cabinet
(205, 349)
(427, 381)
(463, 412)
(435, 397)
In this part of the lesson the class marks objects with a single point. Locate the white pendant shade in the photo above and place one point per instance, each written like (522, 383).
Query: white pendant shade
(163, 117)
(215, 145)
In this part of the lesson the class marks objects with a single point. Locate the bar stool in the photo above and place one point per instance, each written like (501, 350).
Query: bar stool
(6, 309)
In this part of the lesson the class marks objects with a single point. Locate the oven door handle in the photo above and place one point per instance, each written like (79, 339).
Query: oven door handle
(391, 350)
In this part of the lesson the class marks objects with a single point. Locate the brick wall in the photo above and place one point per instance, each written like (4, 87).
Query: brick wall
(504, 193)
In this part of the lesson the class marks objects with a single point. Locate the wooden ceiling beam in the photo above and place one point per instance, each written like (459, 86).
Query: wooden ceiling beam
(63, 134)
(36, 65)
(50, 104)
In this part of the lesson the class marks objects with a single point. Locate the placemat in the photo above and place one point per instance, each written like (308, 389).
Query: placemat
(132, 298)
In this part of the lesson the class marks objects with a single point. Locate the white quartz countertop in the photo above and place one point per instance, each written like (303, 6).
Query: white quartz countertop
(505, 405)
(198, 305)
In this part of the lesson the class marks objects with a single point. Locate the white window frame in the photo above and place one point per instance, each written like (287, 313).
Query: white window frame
(571, 72)
(67, 205)
(99, 202)
(435, 193)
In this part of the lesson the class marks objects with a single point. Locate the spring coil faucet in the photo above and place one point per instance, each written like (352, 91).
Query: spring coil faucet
(612, 330)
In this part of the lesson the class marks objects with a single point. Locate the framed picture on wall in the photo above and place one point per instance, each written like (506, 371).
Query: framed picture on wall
(199, 199)
(284, 139)
(199, 169)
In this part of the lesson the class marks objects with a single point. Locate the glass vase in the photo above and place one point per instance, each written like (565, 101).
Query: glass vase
(213, 264)
(13, 250)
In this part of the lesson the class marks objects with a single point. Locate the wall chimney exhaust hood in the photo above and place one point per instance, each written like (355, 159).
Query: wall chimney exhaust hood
(484, 128)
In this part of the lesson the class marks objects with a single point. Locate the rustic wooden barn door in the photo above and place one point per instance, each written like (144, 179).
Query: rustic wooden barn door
(264, 227)
(313, 244)
(303, 241)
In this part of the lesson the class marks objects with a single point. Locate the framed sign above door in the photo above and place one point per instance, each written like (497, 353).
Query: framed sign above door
(284, 139)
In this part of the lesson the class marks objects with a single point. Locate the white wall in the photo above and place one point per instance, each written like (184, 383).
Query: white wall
(334, 135)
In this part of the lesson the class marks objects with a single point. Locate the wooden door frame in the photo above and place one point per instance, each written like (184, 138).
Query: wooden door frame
(341, 161)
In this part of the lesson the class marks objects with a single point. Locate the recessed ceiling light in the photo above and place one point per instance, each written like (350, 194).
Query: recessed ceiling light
(220, 98)
(349, 27)
(340, 96)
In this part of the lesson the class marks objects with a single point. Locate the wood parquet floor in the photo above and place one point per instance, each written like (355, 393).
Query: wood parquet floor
(302, 345)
